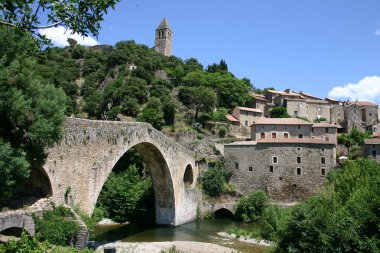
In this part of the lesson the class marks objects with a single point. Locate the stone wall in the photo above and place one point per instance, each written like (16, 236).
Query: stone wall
(251, 169)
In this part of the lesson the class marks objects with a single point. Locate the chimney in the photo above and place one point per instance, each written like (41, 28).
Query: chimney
(287, 90)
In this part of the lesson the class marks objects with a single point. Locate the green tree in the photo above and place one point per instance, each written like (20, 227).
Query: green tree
(201, 99)
(127, 196)
(251, 207)
(343, 218)
(152, 113)
(82, 17)
(279, 112)
(213, 181)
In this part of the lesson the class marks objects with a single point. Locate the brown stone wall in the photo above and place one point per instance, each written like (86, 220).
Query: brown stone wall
(250, 168)
(292, 130)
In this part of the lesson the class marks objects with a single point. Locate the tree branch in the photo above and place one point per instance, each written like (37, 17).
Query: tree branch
(3, 22)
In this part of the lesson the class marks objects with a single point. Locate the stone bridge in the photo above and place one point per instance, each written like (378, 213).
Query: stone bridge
(79, 165)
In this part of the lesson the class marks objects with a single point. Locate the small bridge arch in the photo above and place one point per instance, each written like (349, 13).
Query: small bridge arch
(17, 219)
(80, 164)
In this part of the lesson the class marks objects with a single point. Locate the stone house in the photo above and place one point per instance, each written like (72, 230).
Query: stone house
(374, 129)
(259, 102)
(245, 115)
(288, 158)
(286, 169)
(316, 109)
(372, 149)
(275, 128)
(337, 114)
(325, 131)
(360, 115)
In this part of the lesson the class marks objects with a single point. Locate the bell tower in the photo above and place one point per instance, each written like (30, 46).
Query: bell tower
(163, 38)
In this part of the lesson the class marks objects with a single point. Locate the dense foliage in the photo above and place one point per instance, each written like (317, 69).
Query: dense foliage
(28, 244)
(31, 112)
(57, 226)
(251, 207)
(279, 112)
(355, 137)
(344, 218)
(213, 181)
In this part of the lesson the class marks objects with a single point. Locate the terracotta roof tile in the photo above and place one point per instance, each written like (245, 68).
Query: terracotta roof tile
(281, 121)
(294, 140)
(231, 118)
(372, 141)
(250, 109)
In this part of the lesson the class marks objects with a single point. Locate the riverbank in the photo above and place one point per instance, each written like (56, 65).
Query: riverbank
(157, 247)
(263, 243)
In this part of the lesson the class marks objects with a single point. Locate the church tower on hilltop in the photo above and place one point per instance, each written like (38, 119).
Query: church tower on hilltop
(163, 39)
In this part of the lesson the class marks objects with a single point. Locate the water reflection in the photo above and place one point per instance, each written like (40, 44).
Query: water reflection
(200, 231)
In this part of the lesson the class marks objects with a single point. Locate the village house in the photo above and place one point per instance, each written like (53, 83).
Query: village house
(372, 149)
(259, 102)
(287, 158)
(244, 116)
(360, 115)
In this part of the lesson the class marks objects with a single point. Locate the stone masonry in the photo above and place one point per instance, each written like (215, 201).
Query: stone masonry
(286, 171)
(80, 164)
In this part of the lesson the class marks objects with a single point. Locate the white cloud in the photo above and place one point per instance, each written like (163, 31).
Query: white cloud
(377, 32)
(366, 89)
(59, 36)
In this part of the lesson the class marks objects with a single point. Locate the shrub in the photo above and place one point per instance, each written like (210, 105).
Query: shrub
(222, 131)
(213, 182)
(251, 207)
(219, 115)
(57, 226)
(273, 221)
(25, 244)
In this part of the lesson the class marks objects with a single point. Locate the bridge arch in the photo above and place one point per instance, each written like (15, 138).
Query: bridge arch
(16, 220)
(161, 178)
(80, 164)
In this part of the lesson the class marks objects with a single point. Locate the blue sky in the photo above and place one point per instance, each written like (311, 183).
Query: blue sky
(306, 45)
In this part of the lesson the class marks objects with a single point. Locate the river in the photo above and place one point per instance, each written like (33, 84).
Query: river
(200, 231)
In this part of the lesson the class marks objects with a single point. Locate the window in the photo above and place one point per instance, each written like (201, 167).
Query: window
(323, 149)
(236, 165)
(271, 169)
(323, 171)
(274, 135)
(299, 127)
(299, 171)
(326, 130)
(370, 114)
(262, 135)
(374, 129)
(246, 123)
(286, 135)
(323, 160)
(299, 159)
(374, 146)
(374, 153)
(295, 113)
(286, 127)
(300, 136)
(299, 149)
(246, 113)
(274, 159)
(250, 168)
(274, 127)
(327, 138)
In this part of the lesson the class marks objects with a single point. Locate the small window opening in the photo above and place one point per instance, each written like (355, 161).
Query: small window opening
(271, 169)
(323, 160)
(299, 171)
(274, 159)
(299, 159)
(274, 135)
(250, 168)
(236, 165)
(323, 171)
(286, 135)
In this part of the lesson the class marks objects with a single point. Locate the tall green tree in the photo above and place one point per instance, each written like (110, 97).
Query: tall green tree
(201, 99)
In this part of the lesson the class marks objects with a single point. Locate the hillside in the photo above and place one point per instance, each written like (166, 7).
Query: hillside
(133, 82)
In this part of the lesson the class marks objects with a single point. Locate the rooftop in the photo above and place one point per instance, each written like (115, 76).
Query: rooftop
(284, 93)
(164, 24)
(249, 109)
(325, 124)
(231, 118)
(281, 121)
(295, 140)
(372, 141)
(361, 103)
(309, 96)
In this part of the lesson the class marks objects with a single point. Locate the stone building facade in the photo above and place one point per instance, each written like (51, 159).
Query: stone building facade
(246, 115)
(372, 149)
(287, 169)
(163, 38)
